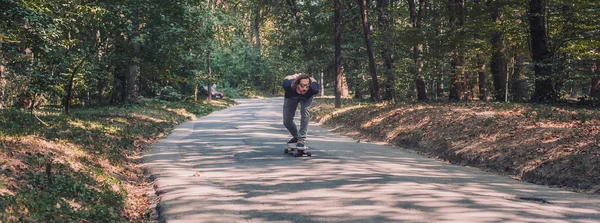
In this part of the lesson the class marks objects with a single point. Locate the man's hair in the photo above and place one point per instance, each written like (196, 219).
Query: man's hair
(303, 76)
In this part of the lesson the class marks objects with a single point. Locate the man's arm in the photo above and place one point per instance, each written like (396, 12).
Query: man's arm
(289, 82)
(314, 86)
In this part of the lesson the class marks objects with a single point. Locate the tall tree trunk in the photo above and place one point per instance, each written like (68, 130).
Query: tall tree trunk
(133, 64)
(209, 78)
(519, 85)
(2, 79)
(481, 85)
(196, 85)
(421, 87)
(338, 53)
(69, 87)
(595, 87)
(390, 82)
(482, 77)
(345, 90)
(416, 16)
(439, 84)
(321, 84)
(544, 85)
(369, 44)
(498, 61)
(457, 73)
(256, 29)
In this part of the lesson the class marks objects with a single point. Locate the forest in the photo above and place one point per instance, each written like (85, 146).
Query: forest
(98, 74)
(72, 53)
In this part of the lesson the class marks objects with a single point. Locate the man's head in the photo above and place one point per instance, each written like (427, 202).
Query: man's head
(302, 84)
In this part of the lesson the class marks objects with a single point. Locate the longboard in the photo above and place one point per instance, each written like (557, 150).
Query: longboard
(297, 152)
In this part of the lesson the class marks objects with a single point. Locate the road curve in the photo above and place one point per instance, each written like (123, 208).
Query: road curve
(229, 166)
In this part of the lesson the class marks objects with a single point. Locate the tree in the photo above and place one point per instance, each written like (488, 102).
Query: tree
(457, 76)
(498, 60)
(542, 57)
(416, 17)
(338, 53)
(369, 44)
(386, 51)
(2, 72)
(595, 86)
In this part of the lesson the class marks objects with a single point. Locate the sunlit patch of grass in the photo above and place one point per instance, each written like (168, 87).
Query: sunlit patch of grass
(150, 118)
(3, 188)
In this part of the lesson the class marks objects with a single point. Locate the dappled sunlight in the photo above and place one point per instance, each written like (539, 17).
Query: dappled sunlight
(237, 171)
(181, 111)
(90, 125)
(150, 118)
(341, 111)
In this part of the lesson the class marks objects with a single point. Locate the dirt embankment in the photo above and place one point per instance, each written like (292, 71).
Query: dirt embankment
(540, 144)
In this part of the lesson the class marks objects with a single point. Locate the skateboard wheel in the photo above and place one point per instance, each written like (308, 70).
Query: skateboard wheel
(308, 154)
(286, 151)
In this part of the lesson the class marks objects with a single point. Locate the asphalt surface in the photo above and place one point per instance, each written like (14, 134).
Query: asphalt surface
(229, 166)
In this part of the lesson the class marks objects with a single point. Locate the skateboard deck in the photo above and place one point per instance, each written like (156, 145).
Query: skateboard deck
(297, 152)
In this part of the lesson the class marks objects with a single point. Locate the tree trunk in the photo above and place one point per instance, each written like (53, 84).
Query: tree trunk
(131, 96)
(412, 9)
(519, 86)
(103, 89)
(390, 82)
(595, 87)
(196, 85)
(2, 79)
(420, 80)
(209, 80)
(345, 91)
(69, 87)
(416, 16)
(544, 85)
(256, 29)
(498, 61)
(256, 35)
(457, 73)
(482, 76)
(338, 54)
(439, 89)
(369, 44)
(358, 87)
(481, 85)
(322, 85)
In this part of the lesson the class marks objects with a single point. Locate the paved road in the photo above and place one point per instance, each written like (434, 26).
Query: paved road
(230, 167)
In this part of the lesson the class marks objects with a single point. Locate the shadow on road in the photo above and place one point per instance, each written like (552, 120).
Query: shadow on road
(230, 167)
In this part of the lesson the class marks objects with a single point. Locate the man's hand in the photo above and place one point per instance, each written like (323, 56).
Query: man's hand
(293, 76)
(295, 84)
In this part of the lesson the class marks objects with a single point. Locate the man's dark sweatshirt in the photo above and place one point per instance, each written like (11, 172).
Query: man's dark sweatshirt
(291, 93)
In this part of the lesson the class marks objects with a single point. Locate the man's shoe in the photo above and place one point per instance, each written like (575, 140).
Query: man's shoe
(300, 145)
(292, 142)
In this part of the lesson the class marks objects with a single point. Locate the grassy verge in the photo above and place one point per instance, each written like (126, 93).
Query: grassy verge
(549, 145)
(81, 167)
